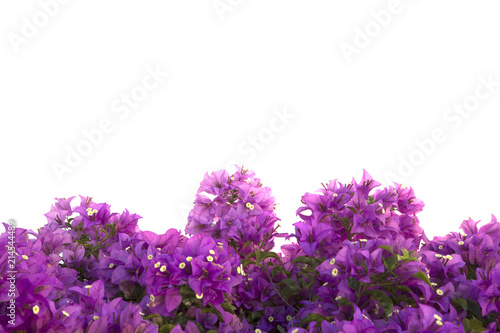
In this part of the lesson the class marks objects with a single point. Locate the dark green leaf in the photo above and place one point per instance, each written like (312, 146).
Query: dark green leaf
(289, 292)
(246, 244)
(405, 288)
(228, 307)
(346, 223)
(277, 269)
(460, 301)
(384, 301)
(353, 209)
(344, 301)
(422, 276)
(256, 314)
(386, 247)
(250, 255)
(353, 283)
(476, 325)
(474, 308)
(271, 255)
(292, 283)
(312, 317)
(465, 324)
(389, 262)
(303, 260)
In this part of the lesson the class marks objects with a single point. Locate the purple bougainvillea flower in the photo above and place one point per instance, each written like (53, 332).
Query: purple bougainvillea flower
(58, 213)
(357, 265)
(126, 222)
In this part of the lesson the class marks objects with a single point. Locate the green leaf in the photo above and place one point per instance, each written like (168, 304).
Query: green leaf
(460, 301)
(386, 247)
(246, 244)
(344, 301)
(465, 324)
(384, 301)
(277, 269)
(153, 315)
(389, 262)
(250, 255)
(166, 328)
(303, 260)
(353, 209)
(289, 292)
(422, 276)
(271, 255)
(258, 256)
(353, 283)
(474, 308)
(312, 317)
(228, 307)
(346, 223)
(281, 329)
(292, 283)
(256, 314)
(214, 311)
(405, 288)
(476, 325)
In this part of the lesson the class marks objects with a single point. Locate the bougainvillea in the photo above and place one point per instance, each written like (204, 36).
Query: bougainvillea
(358, 261)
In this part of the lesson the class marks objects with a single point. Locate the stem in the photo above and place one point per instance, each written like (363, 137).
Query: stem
(274, 287)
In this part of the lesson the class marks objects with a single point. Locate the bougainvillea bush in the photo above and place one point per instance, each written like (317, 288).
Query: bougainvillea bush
(358, 261)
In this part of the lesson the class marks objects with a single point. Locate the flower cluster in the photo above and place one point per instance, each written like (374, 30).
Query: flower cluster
(358, 261)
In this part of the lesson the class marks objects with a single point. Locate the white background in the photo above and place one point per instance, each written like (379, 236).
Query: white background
(233, 65)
